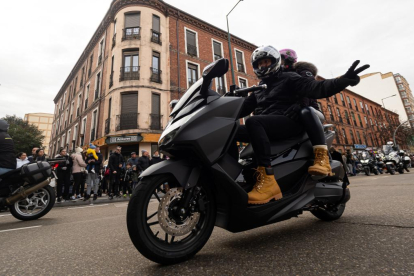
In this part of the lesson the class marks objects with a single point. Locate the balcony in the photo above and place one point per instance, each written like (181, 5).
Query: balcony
(93, 134)
(100, 59)
(127, 121)
(131, 33)
(192, 50)
(129, 73)
(156, 75)
(107, 125)
(240, 67)
(113, 41)
(156, 121)
(156, 37)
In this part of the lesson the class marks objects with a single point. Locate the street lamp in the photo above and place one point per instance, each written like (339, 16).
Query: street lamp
(395, 132)
(387, 98)
(229, 38)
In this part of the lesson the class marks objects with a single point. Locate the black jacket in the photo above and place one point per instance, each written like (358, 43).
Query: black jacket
(155, 160)
(286, 89)
(143, 163)
(307, 70)
(97, 163)
(7, 155)
(114, 160)
(68, 165)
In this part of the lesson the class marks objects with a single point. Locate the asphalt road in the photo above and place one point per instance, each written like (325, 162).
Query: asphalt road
(375, 236)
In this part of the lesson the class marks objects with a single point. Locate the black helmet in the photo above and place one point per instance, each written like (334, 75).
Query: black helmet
(266, 52)
(4, 125)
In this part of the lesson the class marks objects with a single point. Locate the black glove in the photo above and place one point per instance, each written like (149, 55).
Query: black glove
(293, 111)
(352, 75)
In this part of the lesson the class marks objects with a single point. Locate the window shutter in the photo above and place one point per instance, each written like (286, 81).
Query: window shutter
(155, 104)
(132, 20)
(129, 103)
(156, 23)
(191, 38)
(217, 49)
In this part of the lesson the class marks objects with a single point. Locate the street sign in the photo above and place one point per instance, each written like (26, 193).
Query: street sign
(356, 146)
(124, 139)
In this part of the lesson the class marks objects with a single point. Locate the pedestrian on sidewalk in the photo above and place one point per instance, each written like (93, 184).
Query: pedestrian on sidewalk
(133, 160)
(114, 161)
(63, 174)
(78, 171)
(32, 158)
(22, 159)
(92, 179)
(143, 161)
(127, 181)
(134, 177)
(156, 158)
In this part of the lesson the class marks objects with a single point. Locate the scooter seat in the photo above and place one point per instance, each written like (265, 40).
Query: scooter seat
(275, 146)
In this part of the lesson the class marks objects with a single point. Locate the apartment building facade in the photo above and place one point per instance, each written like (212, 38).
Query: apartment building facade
(406, 96)
(143, 55)
(44, 122)
(359, 122)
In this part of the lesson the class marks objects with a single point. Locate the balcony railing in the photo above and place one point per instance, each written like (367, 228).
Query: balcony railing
(240, 67)
(156, 75)
(131, 33)
(127, 121)
(192, 50)
(129, 73)
(113, 41)
(155, 121)
(111, 79)
(107, 125)
(93, 132)
(156, 37)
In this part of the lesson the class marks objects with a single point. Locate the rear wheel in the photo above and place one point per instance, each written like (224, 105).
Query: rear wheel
(36, 205)
(390, 169)
(329, 212)
(160, 230)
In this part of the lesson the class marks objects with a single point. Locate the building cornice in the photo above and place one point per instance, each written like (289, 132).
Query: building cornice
(159, 5)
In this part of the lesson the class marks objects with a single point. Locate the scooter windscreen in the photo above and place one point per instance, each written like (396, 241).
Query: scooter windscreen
(186, 97)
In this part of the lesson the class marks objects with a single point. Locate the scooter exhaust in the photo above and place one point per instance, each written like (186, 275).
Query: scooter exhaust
(23, 193)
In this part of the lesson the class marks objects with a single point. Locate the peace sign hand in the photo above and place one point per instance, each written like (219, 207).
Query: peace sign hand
(352, 74)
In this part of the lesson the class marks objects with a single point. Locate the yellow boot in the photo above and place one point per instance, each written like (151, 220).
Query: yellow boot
(321, 165)
(266, 187)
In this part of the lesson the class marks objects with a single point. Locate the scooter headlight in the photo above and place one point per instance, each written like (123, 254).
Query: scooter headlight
(168, 138)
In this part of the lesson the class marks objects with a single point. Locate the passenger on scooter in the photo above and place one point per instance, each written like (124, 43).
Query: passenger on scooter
(269, 106)
(306, 111)
(7, 154)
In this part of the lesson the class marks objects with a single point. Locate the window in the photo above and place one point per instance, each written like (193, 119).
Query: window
(156, 35)
(349, 102)
(362, 107)
(86, 97)
(155, 69)
(81, 79)
(66, 116)
(191, 42)
(71, 111)
(347, 117)
(155, 112)
(366, 121)
(68, 137)
(74, 87)
(63, 140)
(339, 114)
(370, 120)
(217, 50)
(398, 79)
(132, 26)
(240, 61)
(108, 120)
(78, 104)
(400, 87)
(93, 126)
(320, 107)
(353, 118)
(83, 130)
(114, 36)
(101, 48)
(352, 136)
(242, 83)
(406, 102)
(344, 135)
(331, 114)
(90, 66)
(359, 138)
(75, 133)
(355, 104)
(128, 119)
(360, 121)
(335, 99)
(130, 69)
(403, 94)
(192, 73)
(367, 109)
(111, 76)
(64, 98)
(98, 86)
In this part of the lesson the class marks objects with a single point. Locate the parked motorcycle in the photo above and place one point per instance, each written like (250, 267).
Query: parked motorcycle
(370, 165)
(404, 162)
(177, 202)
(28, 191)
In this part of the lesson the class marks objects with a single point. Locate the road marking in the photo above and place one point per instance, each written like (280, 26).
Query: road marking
(15, 229)
(5, 215)
(89, 206)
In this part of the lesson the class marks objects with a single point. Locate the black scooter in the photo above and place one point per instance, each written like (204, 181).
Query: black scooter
(178, 202)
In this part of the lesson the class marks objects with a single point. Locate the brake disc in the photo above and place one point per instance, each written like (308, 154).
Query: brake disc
(169, 224)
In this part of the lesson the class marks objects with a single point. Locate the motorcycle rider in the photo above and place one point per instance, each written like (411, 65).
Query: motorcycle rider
(7, 155)
(269, 106)
(306, 111)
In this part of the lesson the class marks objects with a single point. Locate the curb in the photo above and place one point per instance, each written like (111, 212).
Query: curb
(70, 203)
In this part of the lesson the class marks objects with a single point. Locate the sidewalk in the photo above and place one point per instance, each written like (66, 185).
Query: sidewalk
(99, 200)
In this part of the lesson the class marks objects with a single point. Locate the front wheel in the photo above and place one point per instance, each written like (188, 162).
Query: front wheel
(367, 173)
(36, 205)
(161, 230)
(376, 172)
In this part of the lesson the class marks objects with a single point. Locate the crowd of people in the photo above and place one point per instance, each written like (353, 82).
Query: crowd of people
(84, 174)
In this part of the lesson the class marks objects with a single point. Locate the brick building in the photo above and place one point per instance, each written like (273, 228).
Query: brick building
(359, 122)
(406, 97)
(143, 54)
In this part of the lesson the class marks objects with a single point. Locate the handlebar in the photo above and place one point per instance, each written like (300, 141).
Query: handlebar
(243, 92)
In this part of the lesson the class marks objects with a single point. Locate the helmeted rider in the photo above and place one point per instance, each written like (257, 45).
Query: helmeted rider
(7, 154)
(270, 123)
(306, 111)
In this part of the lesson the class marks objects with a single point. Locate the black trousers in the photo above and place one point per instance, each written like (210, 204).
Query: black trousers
(79, 183)
(126, 187)
(114, 183)
(312, 125)
(259, 130)
(63, 181)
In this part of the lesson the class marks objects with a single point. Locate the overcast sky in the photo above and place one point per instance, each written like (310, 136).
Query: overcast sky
(42, 40)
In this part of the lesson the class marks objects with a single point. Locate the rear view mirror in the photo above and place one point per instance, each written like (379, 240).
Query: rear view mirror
(216, 69)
